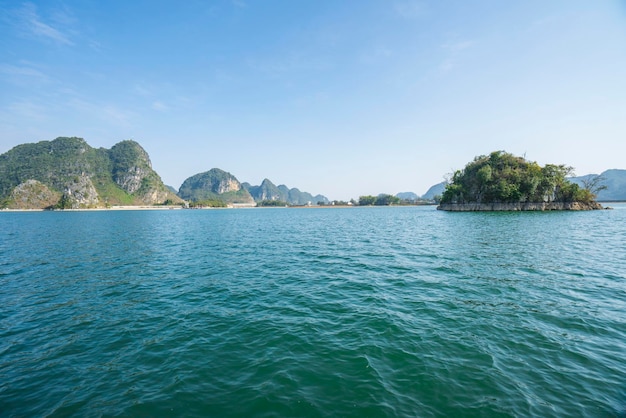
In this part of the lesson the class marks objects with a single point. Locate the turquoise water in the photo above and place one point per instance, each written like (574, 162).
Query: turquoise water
(314, 312)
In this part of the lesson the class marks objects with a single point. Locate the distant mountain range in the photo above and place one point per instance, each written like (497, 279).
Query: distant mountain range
(430, 195)
(217, 184)
(67, 173)
(267, 191)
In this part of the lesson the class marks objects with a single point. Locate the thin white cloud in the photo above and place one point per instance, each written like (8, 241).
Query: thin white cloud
(159, 106)
(293, 62)
(111, 114)
(455, 50)
(376, 55)
(33, 24)
(142, 90)
(117, 116)
(410, 9)
(22, 72)
(447, 65)
(26, 109)
(458, 46)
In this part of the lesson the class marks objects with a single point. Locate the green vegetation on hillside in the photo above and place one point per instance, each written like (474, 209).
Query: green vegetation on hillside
(501, 177)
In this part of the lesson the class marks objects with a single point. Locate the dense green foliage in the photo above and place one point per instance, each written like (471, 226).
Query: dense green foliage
(269, 203)
(367, 200)
(209, 203)
(380, 200)
(501, 177)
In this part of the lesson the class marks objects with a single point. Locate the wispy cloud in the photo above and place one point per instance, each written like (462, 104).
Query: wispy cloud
(142, 90)
(159, 106)
(22, 72)
(458, 46)
(454, 49)
(410, 9)
(117, 116)
(25, 113)
(294, 62)
(151, 95)
(111, 114)
(376, 55)
(33, 24)
(240, 3)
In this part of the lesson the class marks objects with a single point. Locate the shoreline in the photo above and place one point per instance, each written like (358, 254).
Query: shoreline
(112, 208)
(520, 207)
(151, 208)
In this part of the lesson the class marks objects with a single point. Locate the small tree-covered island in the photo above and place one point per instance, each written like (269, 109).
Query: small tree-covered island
(504, 182)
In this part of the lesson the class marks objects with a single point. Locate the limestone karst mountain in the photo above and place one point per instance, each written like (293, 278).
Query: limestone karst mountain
(214, 185)
(68, 173)
(267, 191)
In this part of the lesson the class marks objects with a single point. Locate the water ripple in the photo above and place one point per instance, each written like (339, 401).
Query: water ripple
(360, 312)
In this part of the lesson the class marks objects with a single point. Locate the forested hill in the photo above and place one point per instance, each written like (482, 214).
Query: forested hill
(214, 187)
(68, 173)
(501, 177)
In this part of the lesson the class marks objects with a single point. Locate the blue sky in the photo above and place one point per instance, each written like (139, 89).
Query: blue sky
(343, 98)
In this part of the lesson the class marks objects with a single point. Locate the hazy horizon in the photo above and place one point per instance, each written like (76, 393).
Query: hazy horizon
(335, 98)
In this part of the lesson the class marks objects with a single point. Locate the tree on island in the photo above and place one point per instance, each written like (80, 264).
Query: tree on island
(501, 177)
(594, 184)
(367, 200)
(380, 200)
(272, 203)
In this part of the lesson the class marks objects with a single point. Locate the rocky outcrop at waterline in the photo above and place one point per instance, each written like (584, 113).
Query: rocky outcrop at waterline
(512, 207)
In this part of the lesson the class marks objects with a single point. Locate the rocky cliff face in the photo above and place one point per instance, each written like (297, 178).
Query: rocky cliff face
(228, 185)
(79, 193)
(78, 176)
(266, 191)
(32, 194)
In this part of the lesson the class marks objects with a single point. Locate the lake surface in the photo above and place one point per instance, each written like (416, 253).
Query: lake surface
(313, 312)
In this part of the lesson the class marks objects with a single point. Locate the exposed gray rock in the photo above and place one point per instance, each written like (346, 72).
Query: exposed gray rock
(32, 194)
(130, 180)
(80, 193)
